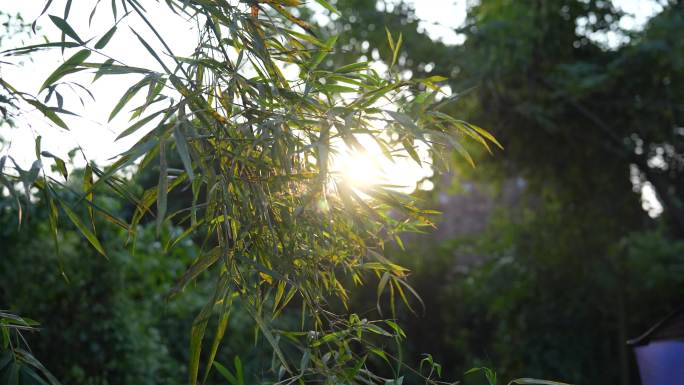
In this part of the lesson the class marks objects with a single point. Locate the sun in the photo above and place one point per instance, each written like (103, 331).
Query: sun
(369, 167)
(360, 169)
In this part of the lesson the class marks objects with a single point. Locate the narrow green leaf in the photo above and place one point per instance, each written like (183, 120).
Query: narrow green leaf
(405, 121)
(114, 10)
(238, 371)
(280, 290)
(92, 13)
(102, 68)
(220, 332)
(67, 9)
(380, 353)
(182, 148)
(32, 361)
(105, 39)
(83, 229)
(395, 53)
(269, 337)
(333, 89)
(322, 53)
(65, 28)
(162, 186)
(69, 66)
(127, 96)
(39, 139)
(45, 8)
(461, 150)
(140, 123)
(151, 51)
(354, 67)
(381, 288)
(13, 376)
(59, 163)
(202, 263)
(410, 149)
(28, 372)
(53, 218)
(48, 112)
(390, 41)
(226, 373)
(36, 47)
(89, 193)
(484, 133)
(435, 79)
(199, 326)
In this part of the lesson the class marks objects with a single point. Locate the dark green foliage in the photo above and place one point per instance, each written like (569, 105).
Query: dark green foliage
(544, 304)
(577, 267)
(108, 321)
(109, 315)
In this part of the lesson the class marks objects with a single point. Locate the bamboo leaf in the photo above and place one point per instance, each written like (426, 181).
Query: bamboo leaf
(390, 40)
(405, 121)
(48, 113)
(322, 53)
(238, 371)
(59, 163)
(68, 67)
(66, 28)
(381, 288)
(271, 340)
(199, 326)
(140, 123)
(109, 68)
(83, 229)
(226, 374)
(105, 38)
(89, 193)
(151, 51)
(220, 332)
(354, 67)
(395, 52)
(127, 96)
(37, 47)
(182, 148)
(162, 185)
(484, 133)
(204, 262)
(410, 149)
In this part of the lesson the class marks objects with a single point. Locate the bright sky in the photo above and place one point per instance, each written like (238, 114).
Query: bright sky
(91, 131)
(96, 136)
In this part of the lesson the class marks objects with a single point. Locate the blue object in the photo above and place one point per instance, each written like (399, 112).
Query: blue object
(660, 351)
(661, 362)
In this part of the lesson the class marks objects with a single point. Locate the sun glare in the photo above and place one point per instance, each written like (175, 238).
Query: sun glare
(361, 169)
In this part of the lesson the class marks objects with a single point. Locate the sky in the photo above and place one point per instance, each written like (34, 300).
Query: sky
(91, 131)
(96, 136)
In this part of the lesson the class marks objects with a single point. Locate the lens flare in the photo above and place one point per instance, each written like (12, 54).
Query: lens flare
(369, 167)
